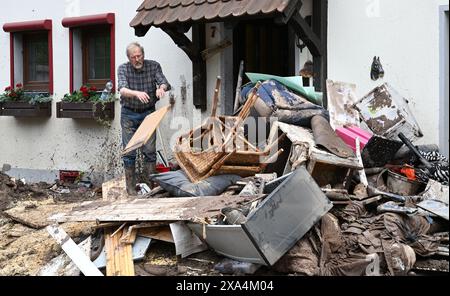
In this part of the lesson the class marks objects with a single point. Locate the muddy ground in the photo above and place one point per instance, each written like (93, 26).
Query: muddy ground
(24, 250)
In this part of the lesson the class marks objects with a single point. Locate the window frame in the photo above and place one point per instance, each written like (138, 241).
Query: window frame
(86, 33)
(17, 28)
(82, 23)
(28, 84)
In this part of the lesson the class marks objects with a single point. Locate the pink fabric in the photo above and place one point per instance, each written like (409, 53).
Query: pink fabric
(349, 134)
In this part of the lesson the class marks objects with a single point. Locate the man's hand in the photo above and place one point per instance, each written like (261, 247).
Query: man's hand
(142, 96)
(161, 91)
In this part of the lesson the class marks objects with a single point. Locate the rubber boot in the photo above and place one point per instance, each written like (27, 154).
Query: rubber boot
(148, 170)
(130, 178)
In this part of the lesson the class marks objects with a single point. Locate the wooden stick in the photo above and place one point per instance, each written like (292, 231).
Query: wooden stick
(362, 173)
(216, 97)
(118, 229)
(238, 87)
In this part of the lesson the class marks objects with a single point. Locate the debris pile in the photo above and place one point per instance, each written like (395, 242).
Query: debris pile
(337, 192)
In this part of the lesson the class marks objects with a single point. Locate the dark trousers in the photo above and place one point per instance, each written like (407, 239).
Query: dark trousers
(130, 122)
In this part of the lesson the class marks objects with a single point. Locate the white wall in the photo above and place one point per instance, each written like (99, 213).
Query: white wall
(54, 144)
(405, 34)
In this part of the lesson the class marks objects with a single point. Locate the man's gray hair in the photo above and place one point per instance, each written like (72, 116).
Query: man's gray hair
(134, 45)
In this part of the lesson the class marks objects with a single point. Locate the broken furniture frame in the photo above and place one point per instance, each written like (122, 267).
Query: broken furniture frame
(219, 146)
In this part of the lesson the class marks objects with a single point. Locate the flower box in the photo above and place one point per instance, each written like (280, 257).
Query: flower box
(25, 109)
(87, 110)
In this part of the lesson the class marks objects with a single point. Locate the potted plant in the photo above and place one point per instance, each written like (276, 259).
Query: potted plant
(15, 101)
(86, 103)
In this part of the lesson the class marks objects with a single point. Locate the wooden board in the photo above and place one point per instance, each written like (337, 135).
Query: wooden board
(119, 256)
(81, 260)
(159, 233)
(146, 130)
(37, 217)
(161, 209)
(115, 189)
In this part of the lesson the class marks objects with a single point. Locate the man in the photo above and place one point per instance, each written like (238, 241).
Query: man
(141, 83)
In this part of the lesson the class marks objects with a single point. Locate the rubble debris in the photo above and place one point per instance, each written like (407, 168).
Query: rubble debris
(396, 208)
(139, 249)
(401, 185)
(178, 184)
(62, 265)
(226, 150)
(437, 191)
(349, 134)
(436, 207)
(119, 255)
(341, 97)
(81, 260)
(186, 243)
(229, 266)
(162, 233)
(379, 151)
(36, 216)
(326, 137)
(302, 258)
(162, 209)
(387, 114)
(294, 83)
(275, 100)
(400, 258)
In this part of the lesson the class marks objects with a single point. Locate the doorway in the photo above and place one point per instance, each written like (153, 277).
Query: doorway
(264, 47)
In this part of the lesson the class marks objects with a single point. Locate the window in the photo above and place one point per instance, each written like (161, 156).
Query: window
(31, 54)
(96, 57)
(92, 50)
(35, 61)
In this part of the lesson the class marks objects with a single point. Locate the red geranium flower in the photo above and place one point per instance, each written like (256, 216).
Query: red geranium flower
(83, 89)
(8, 88)
(93, 88)
(19, 85)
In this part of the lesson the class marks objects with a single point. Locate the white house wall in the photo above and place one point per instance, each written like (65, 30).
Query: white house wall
(38, 148)
(405, 35)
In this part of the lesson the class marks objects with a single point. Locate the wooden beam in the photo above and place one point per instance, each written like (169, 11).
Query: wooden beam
(160, 209)
(199, 66)
(37, 217)
(305, 32)
(182, 41)
(320, 28)
(293, 7)
(79, 258)
(140, 31)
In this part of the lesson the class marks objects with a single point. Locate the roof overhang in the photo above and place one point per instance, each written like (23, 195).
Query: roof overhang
(179, 13)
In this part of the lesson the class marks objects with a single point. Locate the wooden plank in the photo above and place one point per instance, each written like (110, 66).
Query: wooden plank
(146, 129)
(36, 217)
(115, 189)
(78, 257)
(159, 233)
(161, 209)
(119, 260)
(328, 158)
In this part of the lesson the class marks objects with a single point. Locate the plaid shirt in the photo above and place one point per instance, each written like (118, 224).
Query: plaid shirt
(146, 79)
